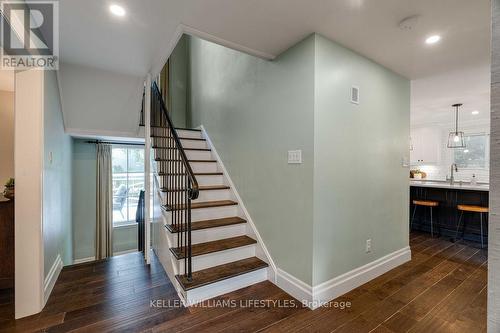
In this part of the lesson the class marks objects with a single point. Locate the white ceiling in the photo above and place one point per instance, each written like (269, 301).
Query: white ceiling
(454, 70)
(432, 97)
(91, 36)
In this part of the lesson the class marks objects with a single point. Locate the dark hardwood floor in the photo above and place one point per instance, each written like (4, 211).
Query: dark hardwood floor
(443, 289)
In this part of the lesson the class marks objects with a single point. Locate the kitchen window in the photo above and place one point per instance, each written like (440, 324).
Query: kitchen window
(128, 181)
(475, 154)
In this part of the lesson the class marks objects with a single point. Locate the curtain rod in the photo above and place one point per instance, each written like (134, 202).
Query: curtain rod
(117, 143)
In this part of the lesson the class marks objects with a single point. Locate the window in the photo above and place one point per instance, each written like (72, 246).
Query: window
(128, 181)
(474, 155)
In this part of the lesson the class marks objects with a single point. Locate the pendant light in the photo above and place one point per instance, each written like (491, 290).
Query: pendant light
(456, 139)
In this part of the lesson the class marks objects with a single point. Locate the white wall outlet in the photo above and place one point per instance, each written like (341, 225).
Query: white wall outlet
(51, 158)
(294, 156)
(368, 248)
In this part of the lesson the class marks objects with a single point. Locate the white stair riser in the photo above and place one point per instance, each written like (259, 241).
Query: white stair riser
(194, 144)
(189, 134)
(219, 258)
(210, 180)
(212, 290)
(208, 235)
(190, 154)
(210, 195)
(207, 213)
(214, 213)
(204, 167)
(195, 166)
(198, 155)
(186, 143)
(213, 195)
(202, 179)
(212, 234)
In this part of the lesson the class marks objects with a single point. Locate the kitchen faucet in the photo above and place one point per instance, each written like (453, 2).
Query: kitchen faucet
(453, 168)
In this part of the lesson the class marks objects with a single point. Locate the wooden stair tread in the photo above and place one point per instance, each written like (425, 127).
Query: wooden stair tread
(207, 224)
(203, 204)
(170, 148)
(220, 273)
(214, 246)
(200, 188)
(208, 204)
(188, 129)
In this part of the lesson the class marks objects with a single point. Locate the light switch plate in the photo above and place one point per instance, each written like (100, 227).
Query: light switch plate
(368, 248)
(295, 157)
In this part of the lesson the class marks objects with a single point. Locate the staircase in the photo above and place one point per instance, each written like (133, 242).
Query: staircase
(211, 248)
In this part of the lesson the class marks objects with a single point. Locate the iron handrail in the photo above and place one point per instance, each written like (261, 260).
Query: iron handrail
(194, 190)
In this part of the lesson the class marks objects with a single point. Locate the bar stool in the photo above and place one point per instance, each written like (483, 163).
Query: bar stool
(471, 209)
(424, 203)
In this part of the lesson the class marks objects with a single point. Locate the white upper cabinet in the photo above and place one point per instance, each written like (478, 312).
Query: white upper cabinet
(426, 144)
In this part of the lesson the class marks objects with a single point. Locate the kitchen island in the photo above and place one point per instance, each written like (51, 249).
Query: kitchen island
(446, 215)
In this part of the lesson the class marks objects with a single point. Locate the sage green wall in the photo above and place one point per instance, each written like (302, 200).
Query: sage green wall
(315, 217)
(255, 111)
(57, 188)
(360, 185)
(84, 206)
(178, 82)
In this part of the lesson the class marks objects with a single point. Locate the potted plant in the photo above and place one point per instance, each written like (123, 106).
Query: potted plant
(9, 189)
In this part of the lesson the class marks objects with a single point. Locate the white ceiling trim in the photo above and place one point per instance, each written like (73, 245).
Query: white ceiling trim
(188, 30)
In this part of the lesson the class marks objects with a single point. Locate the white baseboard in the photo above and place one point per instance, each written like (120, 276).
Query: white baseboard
(344, 283)
(294, 286)
(51, 278)
(83, 260)
(338, 286)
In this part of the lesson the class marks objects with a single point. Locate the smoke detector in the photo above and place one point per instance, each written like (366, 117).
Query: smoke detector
(409, 23)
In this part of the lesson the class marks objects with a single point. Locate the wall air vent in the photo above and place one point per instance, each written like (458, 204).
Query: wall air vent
(355, 95)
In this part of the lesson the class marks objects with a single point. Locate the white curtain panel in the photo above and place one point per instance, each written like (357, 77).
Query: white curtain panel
(104, 195)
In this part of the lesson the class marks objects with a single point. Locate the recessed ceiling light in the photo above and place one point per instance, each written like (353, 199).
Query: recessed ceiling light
(475, 112)
(433, 39)
(117, 10)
